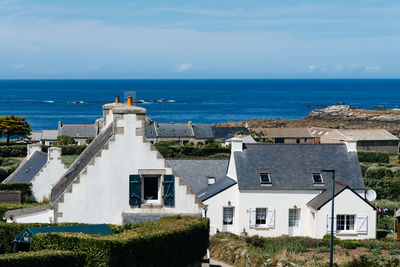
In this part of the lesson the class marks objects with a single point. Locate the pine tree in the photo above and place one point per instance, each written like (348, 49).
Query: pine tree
(14, 126)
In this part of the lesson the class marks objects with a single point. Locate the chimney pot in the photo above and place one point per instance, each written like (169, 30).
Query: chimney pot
(117, 99)
(130, 101)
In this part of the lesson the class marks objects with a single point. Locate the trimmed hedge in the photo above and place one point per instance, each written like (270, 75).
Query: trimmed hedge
(13, 151)
(8, 231)
(68, 150)
(386, 188)
(43, 258)
(372, 156)
(169, 150)
(170, 241)
(25, 188)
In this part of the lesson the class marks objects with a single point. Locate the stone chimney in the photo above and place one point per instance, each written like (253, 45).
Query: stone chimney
(32, 148)
(54, 153)
(237, 146)
(351, 144)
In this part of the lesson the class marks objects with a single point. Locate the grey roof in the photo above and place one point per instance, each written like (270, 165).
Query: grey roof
(291, 166)
(78, 130)
(174, 130)
(35, 136)
(203, 132)
(285, 132)
(216, 188)
(19, 212)
(319, 201)
(49, 134)
(221, 132)
(195, 172)
(29, 168)
(150, 132)
(81, 162)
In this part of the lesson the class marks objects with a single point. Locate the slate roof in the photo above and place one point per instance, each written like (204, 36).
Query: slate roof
(285, 132)
(369, 134)
(203, 132)
(49, 134)
(19, 212)
(291, 166)
(195, 172)
(216, 188)
(150, 132)
(29, 168)
(35, 136)
(81, 162)
(221, 132)
(78, 130)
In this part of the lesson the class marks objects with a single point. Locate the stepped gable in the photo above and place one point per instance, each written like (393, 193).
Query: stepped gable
(81, 162)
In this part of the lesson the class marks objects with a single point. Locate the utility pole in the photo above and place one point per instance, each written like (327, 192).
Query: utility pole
(332, 215)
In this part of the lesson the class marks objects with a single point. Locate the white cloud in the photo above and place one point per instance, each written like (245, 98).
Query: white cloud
(93, 67)
(353, 67)
(339, 67)
(372, 69)
(312, 68)
(18, 66)
(182, 68)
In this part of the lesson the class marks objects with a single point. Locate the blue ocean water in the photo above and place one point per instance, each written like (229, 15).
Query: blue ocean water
(44, 102)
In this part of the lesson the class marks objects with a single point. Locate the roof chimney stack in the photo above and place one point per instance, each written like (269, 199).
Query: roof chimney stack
(130, 101)
(351, 144)
(117, 99)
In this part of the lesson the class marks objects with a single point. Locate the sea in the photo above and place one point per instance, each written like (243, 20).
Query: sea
(45, 102)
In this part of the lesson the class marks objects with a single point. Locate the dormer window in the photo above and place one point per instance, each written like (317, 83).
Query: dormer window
(211, 180)
(317, 178)
(265, 178)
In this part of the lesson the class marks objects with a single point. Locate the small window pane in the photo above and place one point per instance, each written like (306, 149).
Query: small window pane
(211, 180)
(261, 216)
(294, 217)
(265, 179)
(317, 178)
(345, 222)
(150, 188)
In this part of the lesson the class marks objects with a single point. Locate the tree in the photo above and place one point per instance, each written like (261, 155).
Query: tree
(14, 126)
(64, 140)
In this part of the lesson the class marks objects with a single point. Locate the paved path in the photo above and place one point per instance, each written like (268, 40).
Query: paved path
(216, 263)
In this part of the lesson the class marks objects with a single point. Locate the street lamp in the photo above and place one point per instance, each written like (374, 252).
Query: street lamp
(332, 215)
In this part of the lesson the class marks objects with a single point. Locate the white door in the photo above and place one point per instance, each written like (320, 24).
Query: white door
(227, 223)
(294, 222)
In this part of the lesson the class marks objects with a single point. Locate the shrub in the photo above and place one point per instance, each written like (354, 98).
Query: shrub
(373, 260)
(255, 240)
(326, 240)
(13, 151)
(394, 251)
(372, 156)
(43, 258)
(25, 188)
(385, 223)
(322, 250)
(64, 140)
(220, 156)
(376, 172)
(170, 241)
(7, 166)
(172, 150)
(387, 188)
(348, 244)
(89, 140)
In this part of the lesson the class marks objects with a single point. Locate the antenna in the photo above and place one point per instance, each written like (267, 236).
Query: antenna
(370, 195)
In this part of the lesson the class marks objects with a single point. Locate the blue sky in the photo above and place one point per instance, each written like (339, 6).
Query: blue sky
(199, 39)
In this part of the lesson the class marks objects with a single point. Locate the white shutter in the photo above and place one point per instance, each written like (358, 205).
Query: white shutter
(328, 224)
(213, 229)
(362, 224)
(271, 218)
(252, 218)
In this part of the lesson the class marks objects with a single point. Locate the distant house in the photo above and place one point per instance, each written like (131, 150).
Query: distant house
(281, 189)
(248, 139)
(80, 132)
(220, 133)
(284, 135)
(41, 170)
(367, 140)
(48, 137)
(182, 133)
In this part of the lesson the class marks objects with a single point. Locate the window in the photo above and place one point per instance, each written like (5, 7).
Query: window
(279, 140)
(228, 216)
(294, 217)
(261, 216)
(151, 186)
(345, 222)
(317, 178)
(211, 180)
(297, 141)
(265, 178)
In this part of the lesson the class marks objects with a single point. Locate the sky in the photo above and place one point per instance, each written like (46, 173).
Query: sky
(98, 39)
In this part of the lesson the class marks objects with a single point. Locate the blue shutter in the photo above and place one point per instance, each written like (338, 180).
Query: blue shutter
(169, 190)
(134, 190)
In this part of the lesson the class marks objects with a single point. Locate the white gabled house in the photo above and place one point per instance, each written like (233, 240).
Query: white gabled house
(119, 178)
(280, 189)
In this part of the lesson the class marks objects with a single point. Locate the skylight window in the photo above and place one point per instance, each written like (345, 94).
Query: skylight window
(265, 178)
(317, 178)
(211, 180)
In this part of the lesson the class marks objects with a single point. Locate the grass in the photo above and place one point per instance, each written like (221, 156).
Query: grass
(68, 159)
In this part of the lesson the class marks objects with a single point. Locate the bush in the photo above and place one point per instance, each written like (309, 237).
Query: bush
(64, 140)
(170, 241)
(372, 156)
(220, 156)
(13, 151)
(7, 166)
(171, 150)
(386, 188)
(256, 241)
(326, 240)
(377, 172)
(385, 223)
(25, 188)
(373, 260)
(89, 140)
(348, 244)
(43, 258)
(394, 251)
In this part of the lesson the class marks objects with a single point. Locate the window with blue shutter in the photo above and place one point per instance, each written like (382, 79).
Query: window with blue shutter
(169, 190)
(134, 190)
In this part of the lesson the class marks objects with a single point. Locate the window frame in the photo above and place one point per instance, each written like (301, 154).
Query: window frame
(223, 215)
(211, 178)
(269, 178)
(320, 175)
(151, 201)
(265, 219)
(347, 223)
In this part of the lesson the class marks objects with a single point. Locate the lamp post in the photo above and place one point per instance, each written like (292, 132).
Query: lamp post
(332, 215)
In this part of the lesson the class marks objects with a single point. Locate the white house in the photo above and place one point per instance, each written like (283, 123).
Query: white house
(119, 178)
(40, 169)
(281, 189)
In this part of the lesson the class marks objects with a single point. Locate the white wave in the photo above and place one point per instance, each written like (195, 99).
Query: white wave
(49, 101)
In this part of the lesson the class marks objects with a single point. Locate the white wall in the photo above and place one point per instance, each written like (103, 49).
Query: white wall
(46, 216)
(45, 179)
(347, 203)
(102, 194)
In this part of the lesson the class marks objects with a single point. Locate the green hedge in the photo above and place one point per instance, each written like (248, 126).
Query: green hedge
(68, 150)
(372, 156)
(385, 223)
(44, 258)
(386, 188)
(175, 151)
(170, 241)
(13, 151)
(25, 188)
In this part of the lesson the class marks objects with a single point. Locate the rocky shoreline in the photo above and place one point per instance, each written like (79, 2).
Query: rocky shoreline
(336, 117)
